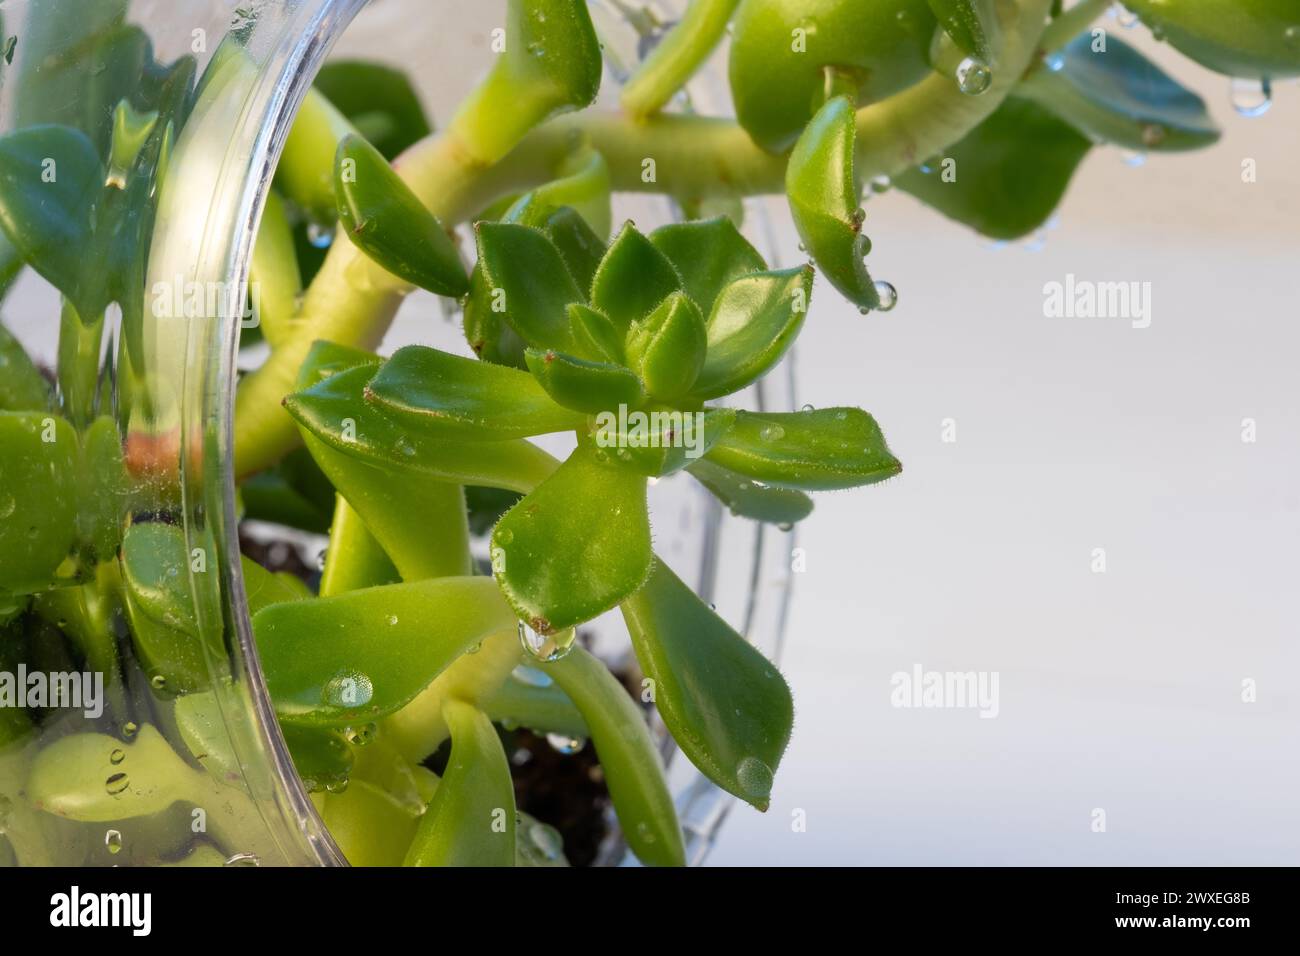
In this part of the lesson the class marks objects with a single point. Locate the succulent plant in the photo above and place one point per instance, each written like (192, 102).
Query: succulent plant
(630, 342)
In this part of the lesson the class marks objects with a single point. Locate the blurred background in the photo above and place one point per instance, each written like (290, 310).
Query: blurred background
(1119, 691)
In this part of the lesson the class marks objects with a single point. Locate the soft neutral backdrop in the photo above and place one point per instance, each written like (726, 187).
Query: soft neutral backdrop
(1120, 691)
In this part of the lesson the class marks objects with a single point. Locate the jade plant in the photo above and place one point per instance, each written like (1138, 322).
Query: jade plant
(399, 672)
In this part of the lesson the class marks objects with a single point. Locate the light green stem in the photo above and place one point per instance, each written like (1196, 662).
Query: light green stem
(677, 56)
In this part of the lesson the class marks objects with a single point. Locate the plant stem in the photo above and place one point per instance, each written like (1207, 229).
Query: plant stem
(352, 301)
(676, 57)
(1070, 24)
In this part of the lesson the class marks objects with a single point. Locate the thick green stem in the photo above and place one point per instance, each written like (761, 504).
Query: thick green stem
(352, 301)
(677, 56)
(79, 348)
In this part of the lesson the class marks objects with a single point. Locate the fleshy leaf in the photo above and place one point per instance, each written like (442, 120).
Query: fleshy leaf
(1247, 38)
(753, 324)
(1120, 97)
(1007, 175)
(378, 100)
(387, 221)
(972, 24)
(471, 819)
(551, 63)
(584, 385)
(357, 656)
(334, 412)
(724, 702)
(579, 245)
(522, 281)
(275, 281)
(306, 169)
(464, 400)
(594, 335)
(657, 441)
(817, 450)
(51, 183)
(666, 348)
(780, 51)
(746, 498)
(628, 757)
(563, 565)
(823, 193)
(633, 278)
(708, 255)
(38, 494)
(22, 386)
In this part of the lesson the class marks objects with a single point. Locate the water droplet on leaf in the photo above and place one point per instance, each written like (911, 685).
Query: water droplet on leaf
(888, 296)
(973, 76)
(1251, 98)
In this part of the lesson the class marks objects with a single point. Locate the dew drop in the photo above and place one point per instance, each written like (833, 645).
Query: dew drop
(347, 689)
(116, 783)
(505, 536)
(1055, 63)
(888, 295)
(772, 432)
(243, 859)
(158, 682)
(545, 647)
(973, 76)
(785, 526)
(564, 744)
(1251, 98)
(755, 778)
(808, 408)
(879, 184)
(322, 237)
(392, 620)
(362, 735)
(117, 756)
(113, 841)
(130, 729)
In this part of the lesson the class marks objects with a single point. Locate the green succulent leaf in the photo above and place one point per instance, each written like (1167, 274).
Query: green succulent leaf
(580, 247)
(633, 278)
(335, 413)
(656, 441)
(354, 657)
(371, 826)
(584, 385)
(38, 495)
(724, 702)
(354, 559)
(537, 703)
(321, 757)
(387, 221)
(471, 819)
(551, 64)
(972, 24)
(667, 347)
(1008, 174)
(562, 565)
(1120, 97)
(378, 100)
(823, 193)
(523, 281)
(708, 254)
(436, 392)
(22, 386)
(780, 51)
(817, 450)
(595, 337)
(753, 324)
(628, 757)
(1247, 38)
(746, 498)
(51, 183)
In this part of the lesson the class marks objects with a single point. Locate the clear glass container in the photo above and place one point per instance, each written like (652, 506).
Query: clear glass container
(137, 145)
